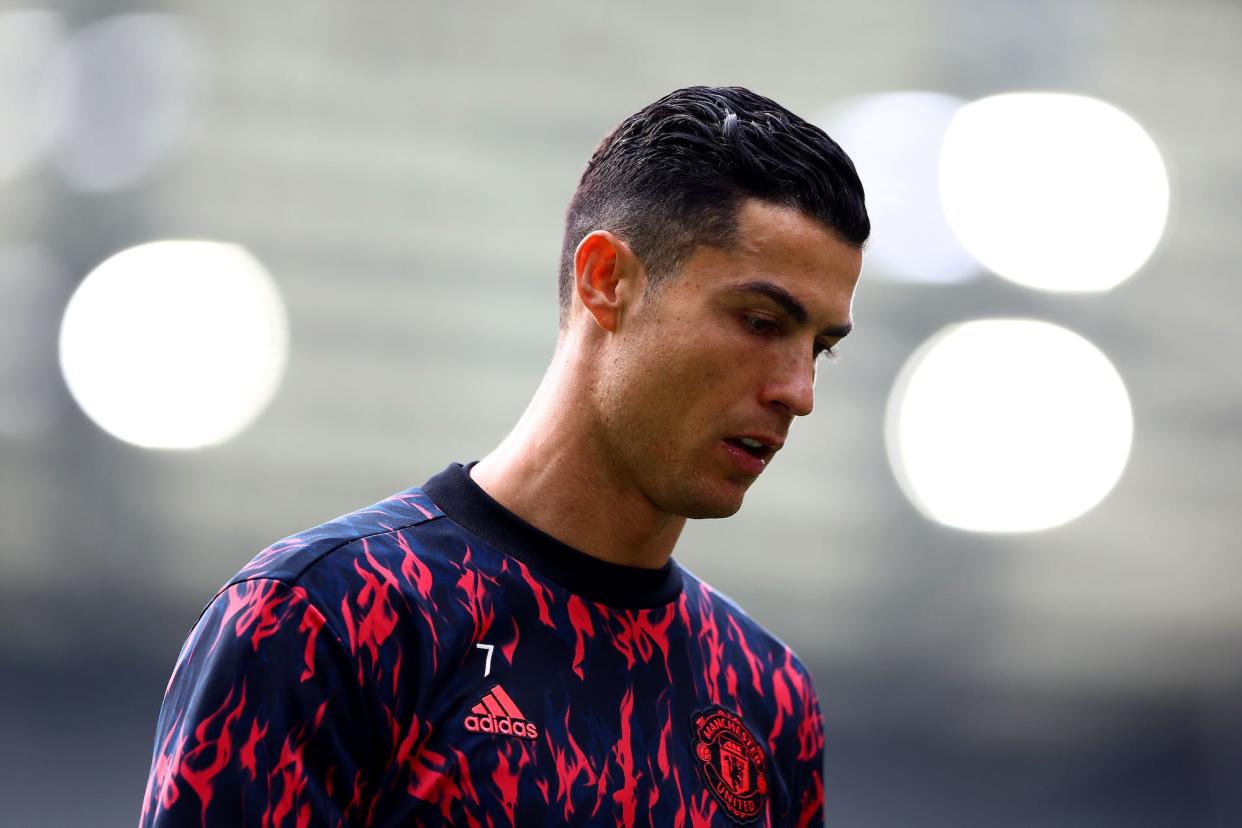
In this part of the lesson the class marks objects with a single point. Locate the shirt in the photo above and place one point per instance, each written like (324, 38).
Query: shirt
(434, 659)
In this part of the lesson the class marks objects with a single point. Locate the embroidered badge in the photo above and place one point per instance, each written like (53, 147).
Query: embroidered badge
(498, 713)
(730, 762)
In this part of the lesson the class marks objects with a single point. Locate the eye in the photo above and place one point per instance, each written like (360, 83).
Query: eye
(827, 352)
(760, 326)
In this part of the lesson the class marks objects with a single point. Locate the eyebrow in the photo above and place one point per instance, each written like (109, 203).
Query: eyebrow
(791, 305)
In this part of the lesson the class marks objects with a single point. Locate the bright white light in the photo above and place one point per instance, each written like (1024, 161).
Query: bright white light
(894, 140)
(175, 344)
(1008, 425)
(123, 91)
(29, 39)
(1056, 192)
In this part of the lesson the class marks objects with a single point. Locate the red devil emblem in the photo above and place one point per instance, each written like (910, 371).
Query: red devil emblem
(730, 762)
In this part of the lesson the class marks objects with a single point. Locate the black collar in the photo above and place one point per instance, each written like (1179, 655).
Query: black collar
(630, 587)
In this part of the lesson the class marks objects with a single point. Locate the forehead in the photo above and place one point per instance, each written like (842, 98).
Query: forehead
(787, 235)
(783, 245)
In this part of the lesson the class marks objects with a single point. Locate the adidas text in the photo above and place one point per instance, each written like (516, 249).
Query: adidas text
(509, 727)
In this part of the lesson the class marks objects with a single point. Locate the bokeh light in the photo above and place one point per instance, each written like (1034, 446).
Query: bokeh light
(1053, 191)
(123, 89)
(1008, 425)
(175, 344)
(894, 140)
(29, 41)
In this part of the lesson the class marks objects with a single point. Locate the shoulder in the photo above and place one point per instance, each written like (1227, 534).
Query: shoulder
(397, 556)
(386, 581)
(291, 558)
(737, 624)
(752, 648)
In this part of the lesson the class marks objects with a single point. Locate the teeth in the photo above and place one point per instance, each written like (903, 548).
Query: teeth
(749, 443)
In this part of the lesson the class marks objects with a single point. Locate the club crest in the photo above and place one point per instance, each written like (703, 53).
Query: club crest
(730, 762)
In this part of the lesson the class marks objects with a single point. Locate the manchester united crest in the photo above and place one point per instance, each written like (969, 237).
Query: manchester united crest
(730, 761)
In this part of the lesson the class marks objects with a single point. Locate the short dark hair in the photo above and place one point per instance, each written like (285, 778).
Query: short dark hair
(673, 176)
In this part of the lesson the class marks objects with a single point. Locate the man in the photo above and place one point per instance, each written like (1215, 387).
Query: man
(511, 643)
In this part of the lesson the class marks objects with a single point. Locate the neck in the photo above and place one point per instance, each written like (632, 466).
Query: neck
(555, 472)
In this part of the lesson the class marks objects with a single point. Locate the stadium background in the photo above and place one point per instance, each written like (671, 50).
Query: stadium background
(401, 171)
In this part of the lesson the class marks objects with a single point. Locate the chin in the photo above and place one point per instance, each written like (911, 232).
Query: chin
(722, 502)
(716, 511)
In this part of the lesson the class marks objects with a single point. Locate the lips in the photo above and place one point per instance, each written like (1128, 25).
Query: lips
(748, 456)
(760, 451)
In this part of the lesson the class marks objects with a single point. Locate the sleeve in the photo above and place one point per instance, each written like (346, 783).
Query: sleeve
(263, 722)
(808, 793)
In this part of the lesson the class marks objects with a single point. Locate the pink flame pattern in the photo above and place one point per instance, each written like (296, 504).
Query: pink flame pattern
(329, 681)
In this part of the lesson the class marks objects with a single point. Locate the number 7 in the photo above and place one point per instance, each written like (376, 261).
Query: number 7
(487, 665)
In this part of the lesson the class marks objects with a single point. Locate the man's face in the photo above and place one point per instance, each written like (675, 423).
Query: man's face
(722, 354)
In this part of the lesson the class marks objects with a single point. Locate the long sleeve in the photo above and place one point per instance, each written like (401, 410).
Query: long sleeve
(263, 722)
(809, 790)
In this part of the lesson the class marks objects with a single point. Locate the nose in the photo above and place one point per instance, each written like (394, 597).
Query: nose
(791, 386)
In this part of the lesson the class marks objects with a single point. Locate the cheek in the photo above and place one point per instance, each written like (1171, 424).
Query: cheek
(677, 384)
(695, 379)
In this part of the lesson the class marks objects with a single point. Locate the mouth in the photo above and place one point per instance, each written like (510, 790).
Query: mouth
(752, 452)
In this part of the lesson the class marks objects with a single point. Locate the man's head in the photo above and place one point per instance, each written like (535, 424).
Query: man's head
(719, 253)
(673, 176)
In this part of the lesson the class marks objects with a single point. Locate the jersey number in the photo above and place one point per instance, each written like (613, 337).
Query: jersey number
(487, 665)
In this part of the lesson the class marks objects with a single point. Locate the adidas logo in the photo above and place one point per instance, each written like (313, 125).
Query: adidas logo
(497, 713)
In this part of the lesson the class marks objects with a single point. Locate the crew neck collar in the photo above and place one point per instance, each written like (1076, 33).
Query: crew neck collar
(627, 587)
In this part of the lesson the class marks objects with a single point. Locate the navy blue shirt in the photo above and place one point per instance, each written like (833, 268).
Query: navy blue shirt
(433, 659)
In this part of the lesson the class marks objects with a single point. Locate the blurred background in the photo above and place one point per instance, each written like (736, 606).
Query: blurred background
(263, 264)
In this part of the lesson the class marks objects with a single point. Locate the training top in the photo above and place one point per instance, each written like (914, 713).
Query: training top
(435, 660)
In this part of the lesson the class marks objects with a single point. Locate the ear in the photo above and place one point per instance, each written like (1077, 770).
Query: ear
(607, 276)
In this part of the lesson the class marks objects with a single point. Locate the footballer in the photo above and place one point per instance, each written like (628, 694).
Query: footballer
(512, 642)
